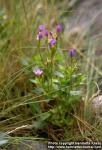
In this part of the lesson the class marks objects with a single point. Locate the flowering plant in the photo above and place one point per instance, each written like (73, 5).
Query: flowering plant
(57, 81)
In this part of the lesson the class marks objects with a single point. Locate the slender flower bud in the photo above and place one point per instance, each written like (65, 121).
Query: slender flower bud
(46, 32)
(39, 35)
(51, 42)
(58, 28)
(51, 34)
(38, 72)
(41, 27)
(71, 52)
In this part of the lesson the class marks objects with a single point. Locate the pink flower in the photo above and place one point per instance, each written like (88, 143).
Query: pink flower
(38, 72)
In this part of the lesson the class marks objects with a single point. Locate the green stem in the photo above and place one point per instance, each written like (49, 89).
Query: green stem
(51, 71)
(39, 50)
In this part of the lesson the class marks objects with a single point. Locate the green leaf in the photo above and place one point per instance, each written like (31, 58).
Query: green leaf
(69, 121)
(55, 80)
(59, 74)
(55, 86)
(33, 81)
(35, 107)
(39, 124)
(38, 91)
(74, 93)
(79, 78)
(74, 97)
(45, 116)
(59, 56)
